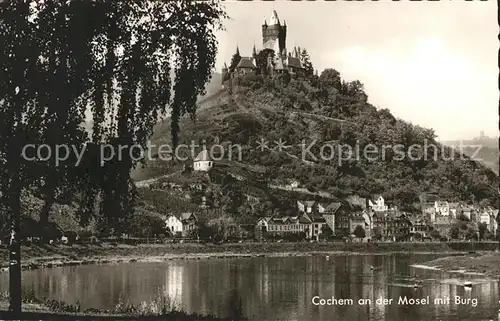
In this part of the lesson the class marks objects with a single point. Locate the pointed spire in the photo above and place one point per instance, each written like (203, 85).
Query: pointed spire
(237, 50)
(254, 52)
(265, 21)
(274, 19)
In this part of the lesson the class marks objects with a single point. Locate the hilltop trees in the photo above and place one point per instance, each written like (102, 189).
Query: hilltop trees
(262, 61)
(330, 78)
(352, 89)
(306, 58)
(116, 58)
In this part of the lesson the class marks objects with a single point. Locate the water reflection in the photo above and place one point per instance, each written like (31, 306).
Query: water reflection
(272, 288)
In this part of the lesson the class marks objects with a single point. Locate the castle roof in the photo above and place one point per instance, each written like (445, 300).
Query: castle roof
(183, 217)
(246, 63)
(274, 19)
(294, 62)
(202, 156)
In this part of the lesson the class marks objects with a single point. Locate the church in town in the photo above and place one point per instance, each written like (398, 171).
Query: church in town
(273, 38)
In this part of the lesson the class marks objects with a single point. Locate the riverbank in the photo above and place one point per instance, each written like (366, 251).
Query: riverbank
(487, 264)
(158, 308)
(61, 255)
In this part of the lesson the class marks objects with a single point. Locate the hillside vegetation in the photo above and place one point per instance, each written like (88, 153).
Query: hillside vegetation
(329, 111)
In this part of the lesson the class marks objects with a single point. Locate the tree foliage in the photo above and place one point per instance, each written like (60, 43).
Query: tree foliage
(306, 61)
(359, 232)
(262, 60)
(330, 78)
(118, 58)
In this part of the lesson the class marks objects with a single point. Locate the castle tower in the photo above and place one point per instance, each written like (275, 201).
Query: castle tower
(225, 74)
(274, 32)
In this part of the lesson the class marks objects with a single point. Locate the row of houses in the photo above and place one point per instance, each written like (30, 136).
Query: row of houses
(373, 216)
(376, 218)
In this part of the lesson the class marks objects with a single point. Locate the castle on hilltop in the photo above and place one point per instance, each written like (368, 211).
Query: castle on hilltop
(272, 59)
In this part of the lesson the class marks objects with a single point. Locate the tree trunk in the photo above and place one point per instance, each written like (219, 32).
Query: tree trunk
(15, 248)
(49, 197)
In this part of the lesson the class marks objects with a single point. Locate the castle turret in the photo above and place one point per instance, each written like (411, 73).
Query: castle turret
(274, 19)
(225, 73)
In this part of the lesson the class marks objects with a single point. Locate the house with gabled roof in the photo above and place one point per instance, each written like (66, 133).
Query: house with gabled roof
(442, 208)
(286, 224)
(419, 228)
(246, 65)
(329, 213)
(306, 206)
(359, 218)
(312, 223)
(377, 204)
(182, 223)
(202, 162)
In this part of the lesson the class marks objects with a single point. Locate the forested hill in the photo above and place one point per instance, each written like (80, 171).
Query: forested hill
(330, 112)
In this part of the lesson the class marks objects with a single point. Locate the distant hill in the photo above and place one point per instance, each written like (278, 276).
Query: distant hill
(214, 85)
(303, 111)
(483, 149)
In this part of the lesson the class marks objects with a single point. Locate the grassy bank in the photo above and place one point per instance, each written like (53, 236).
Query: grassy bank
(483, 263)
(160, 307)
(40, 256)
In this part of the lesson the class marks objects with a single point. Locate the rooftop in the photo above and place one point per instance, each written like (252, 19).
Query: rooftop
(202, 156)
(274, 19)
(247, 63)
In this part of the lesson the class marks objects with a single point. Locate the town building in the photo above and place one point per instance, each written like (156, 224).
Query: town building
(419, 229)
(359, 218)
(391, 225)
(442, 208)
(306, 206)
(279, 225)
(454, 209)
(182, 223)
(378, 204)
(202, 162)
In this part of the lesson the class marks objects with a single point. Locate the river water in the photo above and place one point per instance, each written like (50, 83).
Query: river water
(277, 288)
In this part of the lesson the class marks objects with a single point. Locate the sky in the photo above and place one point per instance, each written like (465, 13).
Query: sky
(434, 64)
